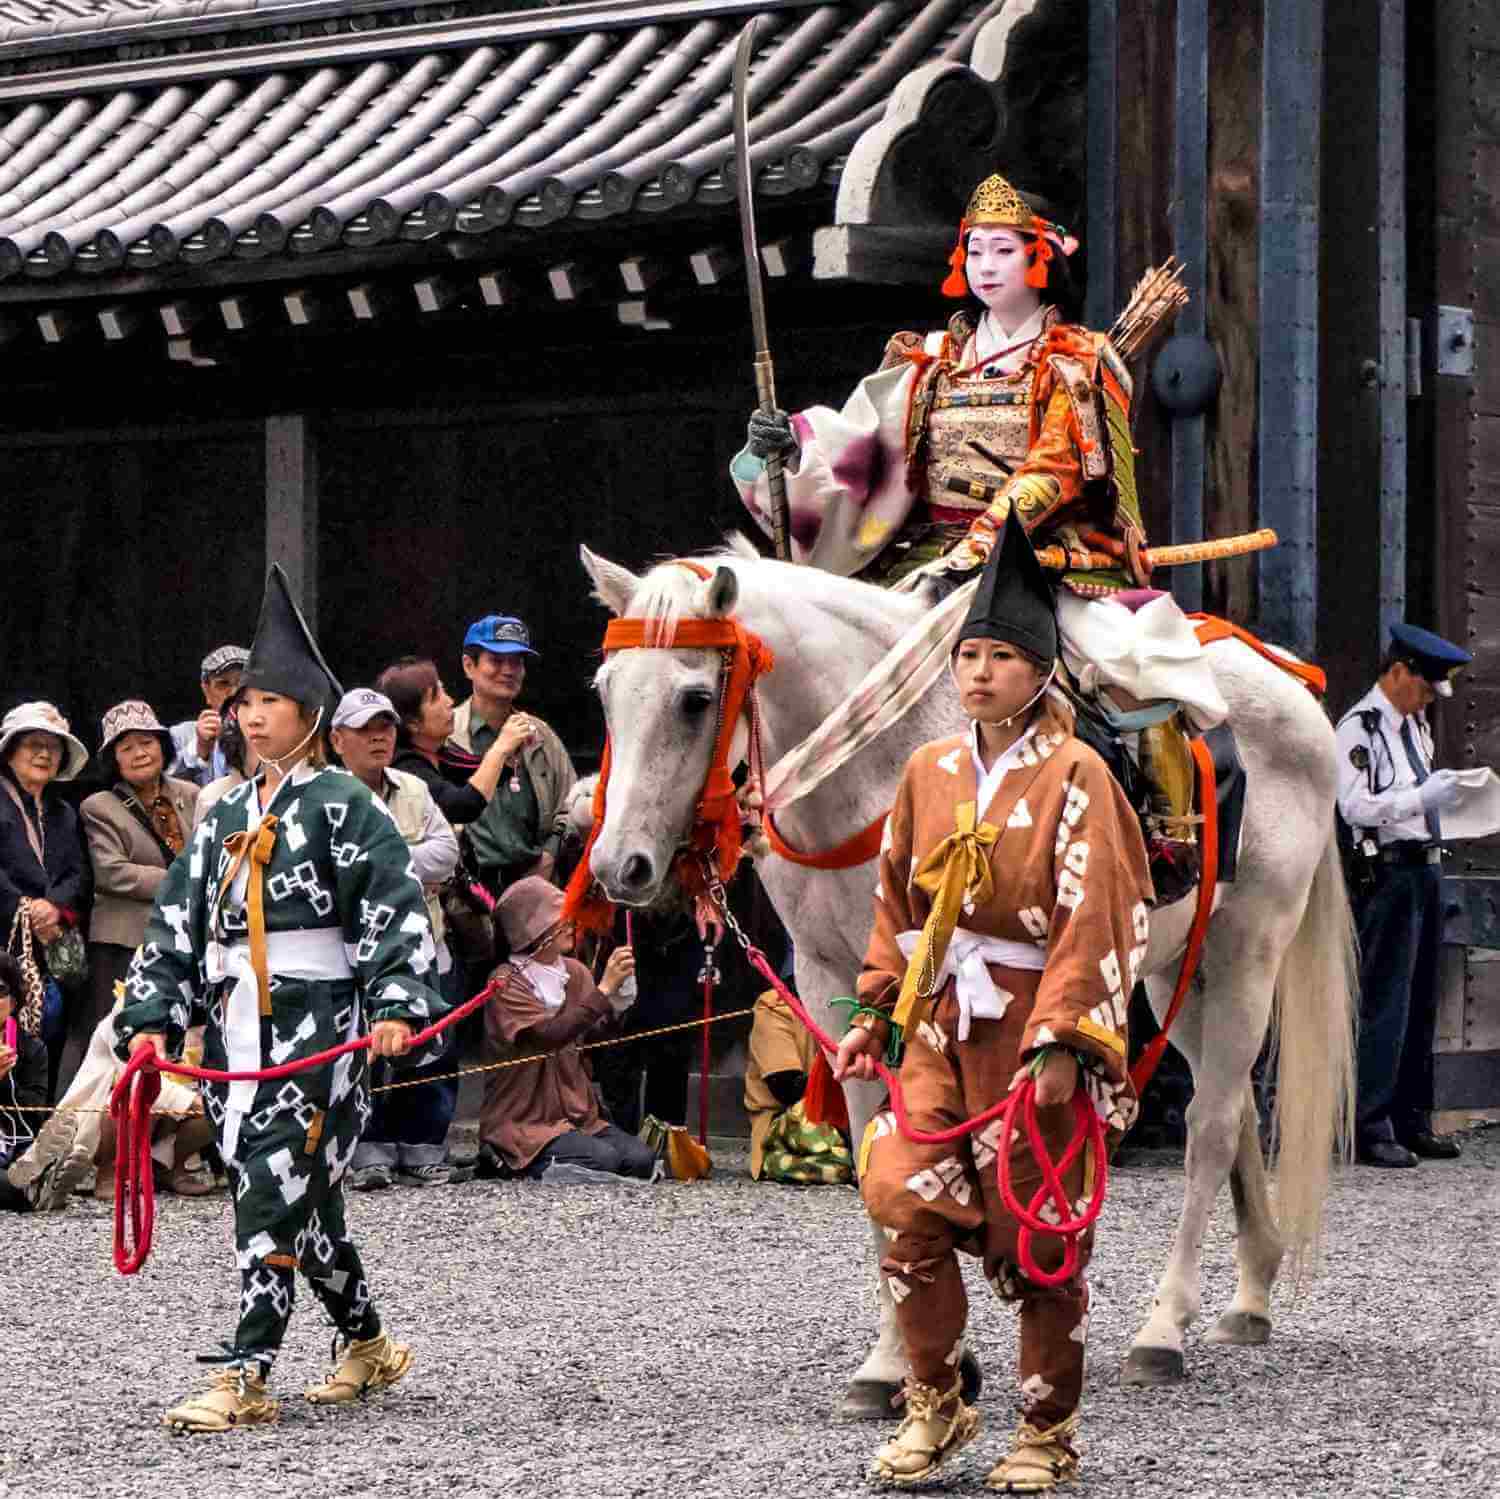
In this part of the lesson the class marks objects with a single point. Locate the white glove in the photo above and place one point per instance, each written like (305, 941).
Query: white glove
(1441, 789)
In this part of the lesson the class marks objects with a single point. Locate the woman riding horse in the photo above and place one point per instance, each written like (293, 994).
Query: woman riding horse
(1010, 408)
(1010, 923)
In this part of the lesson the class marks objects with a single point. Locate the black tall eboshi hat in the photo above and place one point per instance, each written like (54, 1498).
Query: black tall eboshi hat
(284, 657)
(1014, 601)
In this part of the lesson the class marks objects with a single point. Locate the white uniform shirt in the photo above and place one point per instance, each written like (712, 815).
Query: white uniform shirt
(1394, 810)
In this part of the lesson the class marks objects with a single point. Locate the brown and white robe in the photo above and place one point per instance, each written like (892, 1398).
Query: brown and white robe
(1050, 958)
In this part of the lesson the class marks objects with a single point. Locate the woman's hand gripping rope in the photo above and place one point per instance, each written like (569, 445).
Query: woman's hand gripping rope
(140, 1083)
(1050, 1080)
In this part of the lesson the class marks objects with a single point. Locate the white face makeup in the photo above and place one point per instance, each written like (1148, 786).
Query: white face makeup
(995, 266)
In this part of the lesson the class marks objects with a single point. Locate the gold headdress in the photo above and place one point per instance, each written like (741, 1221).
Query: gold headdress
(995, 204)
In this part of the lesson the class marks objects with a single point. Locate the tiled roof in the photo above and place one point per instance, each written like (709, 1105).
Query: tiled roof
(634, 119)
(39, 20)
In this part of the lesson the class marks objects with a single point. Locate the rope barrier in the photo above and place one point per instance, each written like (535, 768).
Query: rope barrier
(139, 1085)
(440, 1077)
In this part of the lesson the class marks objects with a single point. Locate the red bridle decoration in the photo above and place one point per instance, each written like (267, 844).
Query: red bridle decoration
(715, 834)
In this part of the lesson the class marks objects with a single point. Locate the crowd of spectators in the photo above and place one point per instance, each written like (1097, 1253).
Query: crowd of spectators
(480, 790)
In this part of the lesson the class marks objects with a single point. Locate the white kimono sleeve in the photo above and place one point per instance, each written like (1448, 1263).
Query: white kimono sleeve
(846, 488)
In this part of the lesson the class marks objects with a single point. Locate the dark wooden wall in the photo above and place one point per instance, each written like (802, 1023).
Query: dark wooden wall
(1229, 502)
(1462, 445)
(128, 556)
(459, 471)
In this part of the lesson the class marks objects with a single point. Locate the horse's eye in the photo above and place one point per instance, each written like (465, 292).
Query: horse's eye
(697, 702)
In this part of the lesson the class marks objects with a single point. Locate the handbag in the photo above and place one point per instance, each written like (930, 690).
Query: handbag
(685, 1159)
(468, 911)
(67, 957)
(19, 945)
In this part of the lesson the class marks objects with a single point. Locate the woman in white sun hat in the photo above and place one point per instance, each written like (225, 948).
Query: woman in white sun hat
(42, 861)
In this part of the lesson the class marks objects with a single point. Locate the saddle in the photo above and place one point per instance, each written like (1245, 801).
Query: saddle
(1172, 875)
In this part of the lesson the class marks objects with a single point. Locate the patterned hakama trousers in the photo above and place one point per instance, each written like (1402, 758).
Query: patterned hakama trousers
(933, 1200)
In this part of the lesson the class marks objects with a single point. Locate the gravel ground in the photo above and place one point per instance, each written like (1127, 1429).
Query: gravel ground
(692, 1339)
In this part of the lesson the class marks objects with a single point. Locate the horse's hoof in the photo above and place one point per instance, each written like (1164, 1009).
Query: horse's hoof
(1147, 1368)
(1246, 1329)
(972, 1376)
(869, 1400)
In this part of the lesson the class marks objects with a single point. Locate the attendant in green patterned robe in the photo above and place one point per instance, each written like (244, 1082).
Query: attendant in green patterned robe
(304, 860)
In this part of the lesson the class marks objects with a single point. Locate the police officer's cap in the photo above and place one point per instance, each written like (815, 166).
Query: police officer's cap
(1429, 655)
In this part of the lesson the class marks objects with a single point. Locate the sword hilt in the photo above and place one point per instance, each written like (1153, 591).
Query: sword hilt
(765, 393)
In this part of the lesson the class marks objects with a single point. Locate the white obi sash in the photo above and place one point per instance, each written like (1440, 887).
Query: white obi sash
(317, 953)
(967, 962)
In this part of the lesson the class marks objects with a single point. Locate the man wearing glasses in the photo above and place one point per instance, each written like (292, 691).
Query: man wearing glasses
(519, 832)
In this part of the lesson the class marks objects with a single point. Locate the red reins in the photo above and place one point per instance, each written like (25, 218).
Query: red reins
(1088, 1131)
(137, 1090)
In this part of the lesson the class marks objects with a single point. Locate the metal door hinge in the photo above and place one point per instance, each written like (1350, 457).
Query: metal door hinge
(1455, 341)
(1413, 358)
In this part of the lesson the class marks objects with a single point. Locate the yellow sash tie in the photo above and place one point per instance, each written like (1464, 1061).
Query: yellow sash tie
(258, 847)
(959, 866)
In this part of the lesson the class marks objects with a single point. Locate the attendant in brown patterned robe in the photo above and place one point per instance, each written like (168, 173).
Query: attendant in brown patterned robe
(1034, 971)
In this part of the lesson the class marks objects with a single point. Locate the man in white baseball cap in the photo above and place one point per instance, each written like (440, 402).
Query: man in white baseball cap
(408, 1131)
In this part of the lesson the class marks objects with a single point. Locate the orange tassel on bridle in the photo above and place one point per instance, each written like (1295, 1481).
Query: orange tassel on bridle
(956, 284)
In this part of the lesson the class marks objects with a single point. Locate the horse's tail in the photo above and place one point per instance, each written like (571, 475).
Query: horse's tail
(1312, 1038)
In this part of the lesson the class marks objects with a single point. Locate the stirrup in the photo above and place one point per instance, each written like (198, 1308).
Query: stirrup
(1039, 1459)
(937, 1423)
(362, 1366)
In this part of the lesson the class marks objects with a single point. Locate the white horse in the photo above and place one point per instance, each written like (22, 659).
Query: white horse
(1279, 953)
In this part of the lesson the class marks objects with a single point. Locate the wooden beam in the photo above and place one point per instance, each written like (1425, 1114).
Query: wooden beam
(56, 324)
(292, 505)
(120, 320)
(635, 313)
(179, 318)
(714, 265)
(303, 307)
(640, 273)
(368, 301)
(237, 313)
(1190, 237)
(570, 280)
(786, 257)
(435, 292)
(1291, 162)
(181, 351)
(498, 289)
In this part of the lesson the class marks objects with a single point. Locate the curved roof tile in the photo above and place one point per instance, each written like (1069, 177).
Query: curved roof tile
(633, 118)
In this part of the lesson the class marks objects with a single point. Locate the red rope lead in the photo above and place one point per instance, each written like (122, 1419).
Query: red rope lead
(136, 1092)
(1088, 1131)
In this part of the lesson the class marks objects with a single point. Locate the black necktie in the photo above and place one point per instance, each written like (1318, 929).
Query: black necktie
(1420, 771)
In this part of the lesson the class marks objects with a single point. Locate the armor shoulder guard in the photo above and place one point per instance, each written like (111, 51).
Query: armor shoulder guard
(899, 346)
(1076, 375)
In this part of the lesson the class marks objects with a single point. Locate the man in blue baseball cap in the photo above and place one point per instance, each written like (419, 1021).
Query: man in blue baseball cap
(1391, 800)
(520, 830)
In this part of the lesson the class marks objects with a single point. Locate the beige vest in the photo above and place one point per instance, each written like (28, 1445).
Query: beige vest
(407, 804)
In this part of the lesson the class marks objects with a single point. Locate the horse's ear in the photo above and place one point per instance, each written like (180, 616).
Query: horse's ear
(723, 593)
(614, 586)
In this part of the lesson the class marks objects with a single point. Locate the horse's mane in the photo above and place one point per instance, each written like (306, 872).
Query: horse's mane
(666, 592)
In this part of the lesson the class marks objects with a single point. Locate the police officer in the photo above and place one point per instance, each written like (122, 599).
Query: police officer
(1392, 800)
